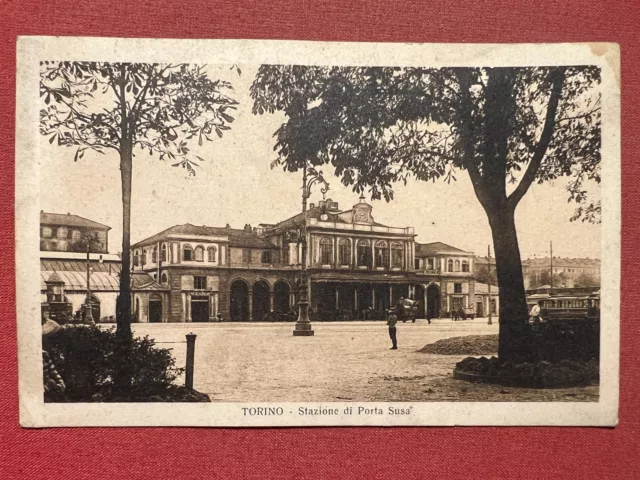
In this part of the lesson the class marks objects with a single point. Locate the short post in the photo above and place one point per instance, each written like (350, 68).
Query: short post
(191, 350)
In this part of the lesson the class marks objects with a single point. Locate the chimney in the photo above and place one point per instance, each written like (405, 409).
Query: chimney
(227, 226)
(247, 228)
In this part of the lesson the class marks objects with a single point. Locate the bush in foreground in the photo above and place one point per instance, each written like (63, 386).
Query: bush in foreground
(86, 357)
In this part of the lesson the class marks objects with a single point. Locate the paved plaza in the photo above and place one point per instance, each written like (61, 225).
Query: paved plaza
(344, 361)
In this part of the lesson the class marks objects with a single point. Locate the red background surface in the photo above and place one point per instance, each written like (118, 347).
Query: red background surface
(473, 453)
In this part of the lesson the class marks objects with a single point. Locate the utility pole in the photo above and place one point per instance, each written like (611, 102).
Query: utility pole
(88, 309)
(551, 255)
(489, 322)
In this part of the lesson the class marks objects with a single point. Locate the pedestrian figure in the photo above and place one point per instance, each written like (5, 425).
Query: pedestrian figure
(392, 319)
(534, 314)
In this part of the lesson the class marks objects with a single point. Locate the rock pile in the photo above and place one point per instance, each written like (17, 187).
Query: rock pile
(541, 374)
(469, 345)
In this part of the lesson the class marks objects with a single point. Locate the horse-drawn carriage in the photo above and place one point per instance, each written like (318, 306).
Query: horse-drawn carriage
(407, 309)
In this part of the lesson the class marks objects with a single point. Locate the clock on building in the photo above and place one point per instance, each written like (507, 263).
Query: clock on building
(361, 216)
(324, 217)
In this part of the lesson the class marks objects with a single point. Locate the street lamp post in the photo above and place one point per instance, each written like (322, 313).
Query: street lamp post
(303, 326)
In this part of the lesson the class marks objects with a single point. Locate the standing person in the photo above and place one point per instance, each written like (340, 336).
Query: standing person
(392, 319)
(400, 311)
(534, 314)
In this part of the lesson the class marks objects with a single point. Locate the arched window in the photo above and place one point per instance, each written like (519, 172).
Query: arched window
(449, 265)
(397, 255)
(164, 279)
(136, 258)
(364, 253)
(199, 253)
(63, 232)
(75, 235)
(154, 255)
(285, 254)
(187, 253)
(143, 257)
(457, 265)
(465, 266)
(163, 252)
(344, 251)
(326, 251)
(382, 254)
(211, 254)
(47, 232)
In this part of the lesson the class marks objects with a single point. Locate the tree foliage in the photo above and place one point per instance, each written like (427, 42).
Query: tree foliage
(379, 126)
(157, 108)
(506, 127)
(128, 108)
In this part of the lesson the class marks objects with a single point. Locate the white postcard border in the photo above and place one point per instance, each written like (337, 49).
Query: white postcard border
(35, 413)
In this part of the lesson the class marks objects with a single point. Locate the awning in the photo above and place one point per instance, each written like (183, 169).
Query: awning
(100, 281)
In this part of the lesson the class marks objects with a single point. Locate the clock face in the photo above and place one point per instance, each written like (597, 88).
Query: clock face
(361, 216)
(324, 217)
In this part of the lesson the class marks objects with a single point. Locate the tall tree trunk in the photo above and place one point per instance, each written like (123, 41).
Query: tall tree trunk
(123, 314)
(124, 338)
(514, 340)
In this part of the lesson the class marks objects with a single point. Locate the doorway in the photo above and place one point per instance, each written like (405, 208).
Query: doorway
(155, 310)
(260, 300)
(433, 301)
(239, 305)
(199, 309)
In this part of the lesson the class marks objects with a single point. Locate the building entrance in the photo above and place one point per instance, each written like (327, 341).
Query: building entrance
(421, 297)
(479, 307)
(260, 300)
(200, 309)
(239, 303)
(155, 310)
(433, 301)
(281, 293)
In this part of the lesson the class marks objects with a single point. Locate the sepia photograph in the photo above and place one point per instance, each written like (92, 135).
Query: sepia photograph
(244, 233)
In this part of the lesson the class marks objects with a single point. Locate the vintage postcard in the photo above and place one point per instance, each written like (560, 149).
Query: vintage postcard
(283, 233)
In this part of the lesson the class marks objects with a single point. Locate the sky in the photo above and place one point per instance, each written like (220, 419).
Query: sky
(235, 185)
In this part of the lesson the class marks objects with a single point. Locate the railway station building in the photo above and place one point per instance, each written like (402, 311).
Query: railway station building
(357, 268)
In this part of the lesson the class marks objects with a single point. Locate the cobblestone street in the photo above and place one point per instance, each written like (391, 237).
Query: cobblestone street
(344, 361)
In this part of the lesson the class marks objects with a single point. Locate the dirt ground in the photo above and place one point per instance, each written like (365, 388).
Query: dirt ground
(344, 361)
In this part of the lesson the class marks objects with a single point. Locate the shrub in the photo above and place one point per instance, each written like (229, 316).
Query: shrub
(86, 358)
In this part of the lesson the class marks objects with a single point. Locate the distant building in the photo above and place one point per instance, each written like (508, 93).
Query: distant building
(64, 268)
(357, 267)
(484, 301)
(447, 273)
(567, 272)
(72, 233)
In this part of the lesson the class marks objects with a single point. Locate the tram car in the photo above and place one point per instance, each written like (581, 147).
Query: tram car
(567, 305)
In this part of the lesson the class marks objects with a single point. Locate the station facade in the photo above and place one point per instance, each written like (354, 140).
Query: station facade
(357, 268)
